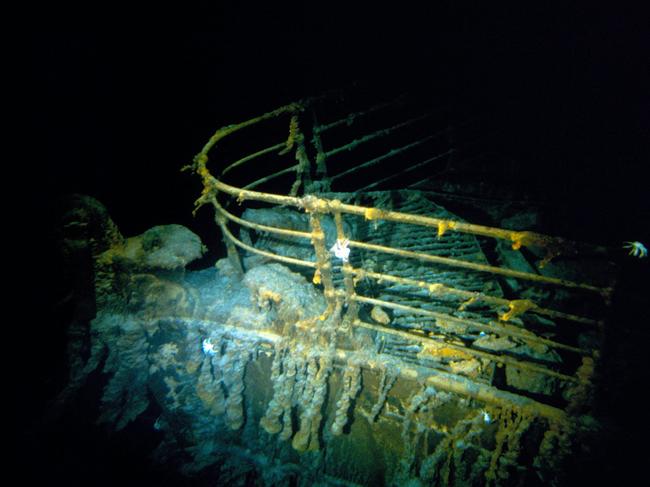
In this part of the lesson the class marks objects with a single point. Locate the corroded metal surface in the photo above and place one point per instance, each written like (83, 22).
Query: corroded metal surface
(419, 297)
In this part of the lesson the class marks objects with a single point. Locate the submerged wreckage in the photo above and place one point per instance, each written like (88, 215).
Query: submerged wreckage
(353, 335)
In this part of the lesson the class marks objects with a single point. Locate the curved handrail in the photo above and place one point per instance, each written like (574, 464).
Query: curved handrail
(316, 207)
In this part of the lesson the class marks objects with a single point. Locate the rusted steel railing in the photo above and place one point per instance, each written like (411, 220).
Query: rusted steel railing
(346, 293)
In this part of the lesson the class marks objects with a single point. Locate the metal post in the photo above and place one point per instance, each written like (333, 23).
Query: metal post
(353, 306)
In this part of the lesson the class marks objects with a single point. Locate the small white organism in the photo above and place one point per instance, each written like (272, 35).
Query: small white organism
(208, 347)
(487, 419)
(341, 249)
(637, 249)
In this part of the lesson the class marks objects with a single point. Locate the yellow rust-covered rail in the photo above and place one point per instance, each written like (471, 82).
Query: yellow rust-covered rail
(346, 293)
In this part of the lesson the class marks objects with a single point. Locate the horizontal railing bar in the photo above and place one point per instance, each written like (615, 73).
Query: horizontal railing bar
(272, 176)
(450, 225)
(262, 228)
(350, 118)
(254, 155)
(281, 258)
(402, 280)
(475, 199)
(311, 203)
(374, 135)
(436, 288)
(407, 170)
(201, 159)
(492, 395)
(245, 194)
(387, 155)
(471, 323)
(502, 359)
(374, 213)
(473, 266)
(431, 287)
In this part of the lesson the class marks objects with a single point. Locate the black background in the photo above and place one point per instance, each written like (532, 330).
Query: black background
(115, 113)
(118, 113)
